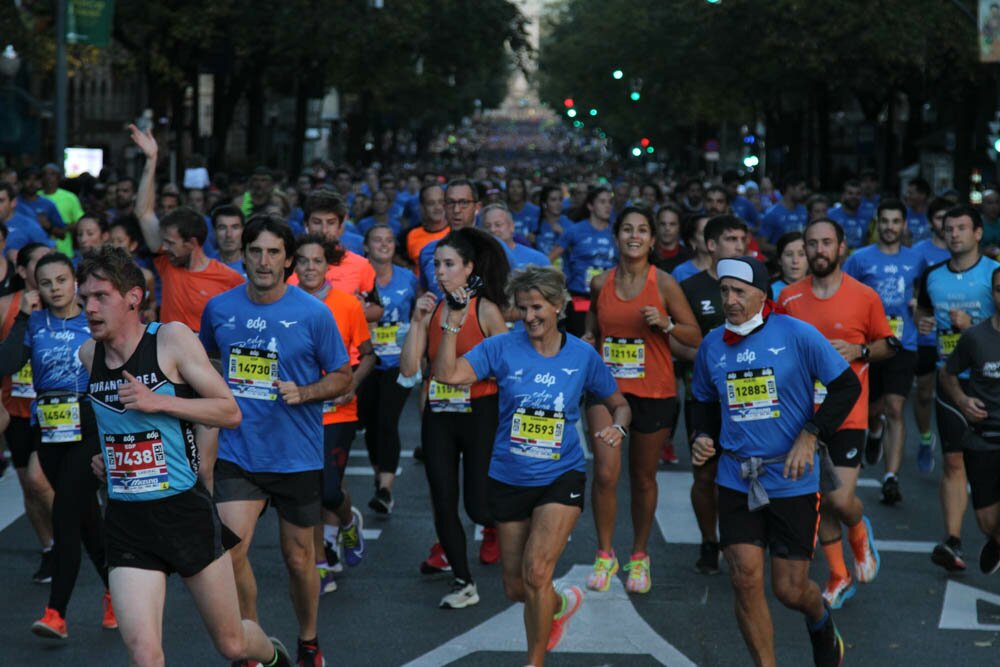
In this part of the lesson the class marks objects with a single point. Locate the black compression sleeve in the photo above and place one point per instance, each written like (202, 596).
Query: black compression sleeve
(841, 395)
(13, 353)
(705, 418)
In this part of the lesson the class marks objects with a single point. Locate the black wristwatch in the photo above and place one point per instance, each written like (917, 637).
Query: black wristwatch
(811, 428)
(865, 352)
(621, 429)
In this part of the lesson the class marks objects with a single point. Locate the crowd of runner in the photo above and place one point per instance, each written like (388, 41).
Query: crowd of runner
(176, 361)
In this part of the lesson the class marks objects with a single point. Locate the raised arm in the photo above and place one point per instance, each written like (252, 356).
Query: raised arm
(145, 199)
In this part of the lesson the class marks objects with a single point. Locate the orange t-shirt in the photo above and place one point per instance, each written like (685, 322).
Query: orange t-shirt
(17, 407)
(853, 314)
(638, 355)
(417, 238)
(352, 275)
(350, 319)
(186, 292)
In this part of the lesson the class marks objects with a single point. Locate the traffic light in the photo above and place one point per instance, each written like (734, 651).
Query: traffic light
(571, 113)
(593, 112)
(635, 95)
(644, 142)
(993, 138)
(636, 152)
(568, 102)
(617, 74)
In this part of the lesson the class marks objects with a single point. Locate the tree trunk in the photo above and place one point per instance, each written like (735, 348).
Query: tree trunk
(299, 133)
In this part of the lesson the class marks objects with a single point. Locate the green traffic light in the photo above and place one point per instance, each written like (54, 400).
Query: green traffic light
(617, 74)
(593, 112)
(996, 144)
(650, 150)
(634, 96)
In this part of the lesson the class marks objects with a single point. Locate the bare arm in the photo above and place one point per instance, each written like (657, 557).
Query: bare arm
(330, 386)
(973, 408)
(686, 330)
(447, 368)
(145, 199)
(556, 252)
(364, 368)
(415, 344)
(491, 319)
(184, 360)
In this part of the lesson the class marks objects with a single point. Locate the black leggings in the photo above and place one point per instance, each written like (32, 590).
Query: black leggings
(337, 439)
(76, 516)
(380, 404)
(447, 437)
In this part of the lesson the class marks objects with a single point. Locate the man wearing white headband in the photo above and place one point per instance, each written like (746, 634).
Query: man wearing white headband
(753, 390)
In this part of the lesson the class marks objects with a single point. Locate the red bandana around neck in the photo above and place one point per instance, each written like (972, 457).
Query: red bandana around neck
(732, 338)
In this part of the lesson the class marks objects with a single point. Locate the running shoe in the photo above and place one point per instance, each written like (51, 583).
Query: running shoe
(381, 502)
(708, 560)
(282, 657)
(605, 567)
(44, 573)
(571, 599)
(639, 578)
(866, 558)
(309, 655)
(949, 555)
(668, 455)
(437, 562)
(352, 539)
(327, 584)
(838, 591)
(989, 557)
(873, 447)
(925, 456)
(333, 561)
(828, 645)
(890, 491)
(108, 622)
(51, 625)
(489, 549)
(463, 594)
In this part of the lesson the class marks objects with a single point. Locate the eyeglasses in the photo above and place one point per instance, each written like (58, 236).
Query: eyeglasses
(458, 203)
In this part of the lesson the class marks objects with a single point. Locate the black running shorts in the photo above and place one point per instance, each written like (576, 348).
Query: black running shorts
(787, 526)
(21, 440)
(927, 357)
(650, 415)
(951, 422)
(892, 376)
(181, 533)
(846, 446)
(516, 503)
(296, 495)
(982, 468)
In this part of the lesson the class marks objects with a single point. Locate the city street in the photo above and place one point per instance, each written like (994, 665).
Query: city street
(385, 612)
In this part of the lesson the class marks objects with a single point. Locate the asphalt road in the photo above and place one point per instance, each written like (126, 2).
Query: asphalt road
(385, 612)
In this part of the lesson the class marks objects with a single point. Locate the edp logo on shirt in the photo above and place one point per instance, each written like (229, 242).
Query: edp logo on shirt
(548, 379)
(257, 324)
(746, 356)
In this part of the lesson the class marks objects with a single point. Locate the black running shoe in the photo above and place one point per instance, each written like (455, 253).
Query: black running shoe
(310, 655)
(332, 557)
(828, 646)
(44, 573)
(382, 502)
(890, 491)
(873, 448)
(708, 561)
(989, 557)
(284, 657)
(949, 555)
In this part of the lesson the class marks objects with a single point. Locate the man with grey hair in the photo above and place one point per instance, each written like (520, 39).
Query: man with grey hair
(497, 219)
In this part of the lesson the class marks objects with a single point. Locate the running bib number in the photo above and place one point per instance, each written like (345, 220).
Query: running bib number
(253, 373)
(752, 394)
(136, 462)
(625, 357)
(896, 324)
(329, 407)
(59, 419)
(385, 339)
(449, 398)
(537, 433)
(819, 393)
(947, 343)
(22, 383)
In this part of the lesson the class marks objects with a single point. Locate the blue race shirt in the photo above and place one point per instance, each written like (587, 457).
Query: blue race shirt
(943, 289)
(588, 253)
(293, 339)
(931, 255)
(22, 230)
(779, 220)
(685, 270)
(523, 255)
(893, 278)
(367, 223)
(765, 386)
(920, 228)
(238, 267)
(745, 209)
(398, 297)
(43, 206)
(536, 439)
(54, 343)
(525, 220)
(546, 237)
(353, 242)
(777, 286)
(855, 225)
(869, 206)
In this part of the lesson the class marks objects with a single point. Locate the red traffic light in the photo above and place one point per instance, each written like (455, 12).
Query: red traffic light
(644, 142)
(568, 102)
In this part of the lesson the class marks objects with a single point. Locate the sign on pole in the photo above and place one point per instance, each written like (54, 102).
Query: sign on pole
(89, 21)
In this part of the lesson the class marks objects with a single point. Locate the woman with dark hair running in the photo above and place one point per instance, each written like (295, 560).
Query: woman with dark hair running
(459, 421)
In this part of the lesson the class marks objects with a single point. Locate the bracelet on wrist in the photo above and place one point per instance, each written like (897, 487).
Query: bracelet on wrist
(621, 429)
(447, 328)
(670, 325)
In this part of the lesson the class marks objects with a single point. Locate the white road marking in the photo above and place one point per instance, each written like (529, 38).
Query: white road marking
(586, 633)
(959, 610)
(11, 501)
(365, 471)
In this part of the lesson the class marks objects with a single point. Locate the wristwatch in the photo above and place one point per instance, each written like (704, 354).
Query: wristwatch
(865, 352)
(670, 325)
(811, 428)
(621, 429)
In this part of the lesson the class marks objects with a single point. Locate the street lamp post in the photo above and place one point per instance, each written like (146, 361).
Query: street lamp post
(62, 85)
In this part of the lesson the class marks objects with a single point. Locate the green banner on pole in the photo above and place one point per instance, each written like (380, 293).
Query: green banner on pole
(89, 21)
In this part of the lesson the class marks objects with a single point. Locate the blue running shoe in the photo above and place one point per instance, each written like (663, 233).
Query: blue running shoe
(352, 539)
